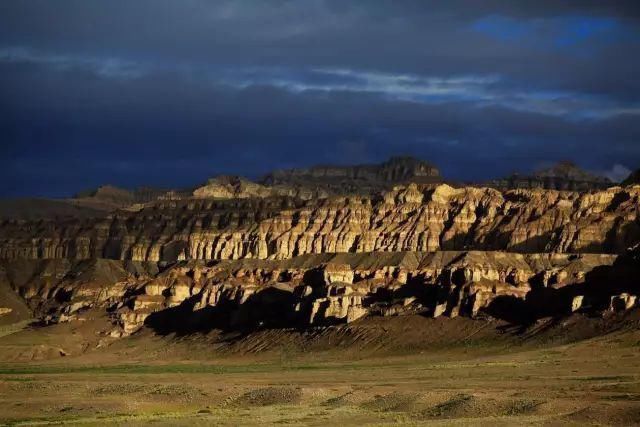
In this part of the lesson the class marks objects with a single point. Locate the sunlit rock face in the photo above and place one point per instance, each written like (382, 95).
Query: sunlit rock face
(324, 289)
(407, 218)
(239, 255)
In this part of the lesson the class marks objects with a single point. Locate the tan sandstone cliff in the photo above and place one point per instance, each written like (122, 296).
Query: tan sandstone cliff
(322, 289)
(408, 218)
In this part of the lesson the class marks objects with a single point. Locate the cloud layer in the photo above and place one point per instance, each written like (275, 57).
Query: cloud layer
(168, 93)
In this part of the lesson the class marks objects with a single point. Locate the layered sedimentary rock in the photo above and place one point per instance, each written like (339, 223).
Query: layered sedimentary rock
(360, 179)
(235, 187)
(325, 245)
(323, 289)
(562, 176)
(231, 187)
(109, 197)
(407, 218)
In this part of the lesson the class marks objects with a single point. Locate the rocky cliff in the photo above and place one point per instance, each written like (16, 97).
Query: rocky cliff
(109, 197)
(408, 218)
(564, 176)
(236, 187)
(325, 289)
(360, 179)
(318, 182)
(236, 258)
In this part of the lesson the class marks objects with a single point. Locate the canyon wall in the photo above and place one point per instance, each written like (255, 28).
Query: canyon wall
(564, 176)
(408, 218)
(323, 289)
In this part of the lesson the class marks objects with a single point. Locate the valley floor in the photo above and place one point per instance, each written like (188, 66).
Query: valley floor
(464, 372)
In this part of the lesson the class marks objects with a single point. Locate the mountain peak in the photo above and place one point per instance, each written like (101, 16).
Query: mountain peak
(569, 170)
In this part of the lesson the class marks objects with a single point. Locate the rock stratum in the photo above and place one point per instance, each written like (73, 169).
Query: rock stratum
(237, 256)
(564, 176)
(311, 290)
(317, 182)
(407, 218)
(359, 179)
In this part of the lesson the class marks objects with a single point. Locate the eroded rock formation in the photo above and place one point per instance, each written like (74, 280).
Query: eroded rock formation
(562, 176)
(360, 179)
(323, 289)
(407, 218)
(240, 255)
(235, 187)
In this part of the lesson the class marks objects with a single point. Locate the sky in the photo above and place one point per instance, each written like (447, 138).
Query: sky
(168, 93)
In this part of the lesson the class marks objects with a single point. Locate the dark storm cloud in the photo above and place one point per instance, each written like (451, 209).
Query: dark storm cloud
(168, 93)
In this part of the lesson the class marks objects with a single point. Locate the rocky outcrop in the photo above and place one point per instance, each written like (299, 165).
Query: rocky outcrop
(234, 187)
(108, 194)
(236, 255)
(565, 176)
(320, 182)
(109, 197)
(622, 302)
(407, 218)
(230, 187)
(321, 289)
(360, 179)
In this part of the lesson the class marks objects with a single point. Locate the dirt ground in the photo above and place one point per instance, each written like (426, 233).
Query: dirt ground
(411, 371)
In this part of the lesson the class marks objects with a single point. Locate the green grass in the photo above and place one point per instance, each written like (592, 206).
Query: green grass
(114, 418)
(187, 368)
(207, 368)
(288, 366)
(19, 379)
(143, 369)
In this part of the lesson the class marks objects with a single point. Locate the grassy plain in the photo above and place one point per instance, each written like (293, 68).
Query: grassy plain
(483, 374)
